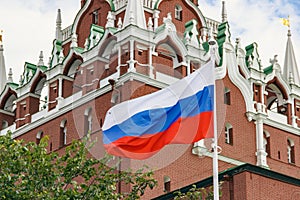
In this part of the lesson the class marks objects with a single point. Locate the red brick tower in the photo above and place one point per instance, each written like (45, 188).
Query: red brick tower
(118, 50)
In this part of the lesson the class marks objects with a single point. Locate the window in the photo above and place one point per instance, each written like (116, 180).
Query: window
(63, 133)
(290, 151)
(167, 184)
(95, 17)
(88, 120)
(178, 12)
(51, 146)
(266, 143)
(39, 136)
(228, 134)
(101, 123)
(227, 100)
(276, 99)
(42, 90)
(74, 69)
(10, 106)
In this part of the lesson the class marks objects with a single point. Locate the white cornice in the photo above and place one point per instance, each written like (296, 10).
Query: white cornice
(285, 127)
(64, 77)
(87, 98)
(134, 32)
(7, 113)
(94, 59)
(201, 151)
(197, 54)
(142, 78)
(54, 71)
(29, 94)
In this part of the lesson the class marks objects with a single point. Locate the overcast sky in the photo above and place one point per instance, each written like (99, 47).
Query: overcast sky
(29, 26)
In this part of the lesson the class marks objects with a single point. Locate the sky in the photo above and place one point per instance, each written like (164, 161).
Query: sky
(29, 26)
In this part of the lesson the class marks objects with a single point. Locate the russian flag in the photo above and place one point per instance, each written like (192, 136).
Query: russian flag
(181, 113)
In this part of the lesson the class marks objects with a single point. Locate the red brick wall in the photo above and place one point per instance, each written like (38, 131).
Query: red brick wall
(10, 119)
(67, 88)
(262, 188)
(30, 107)
(83, 29)
(188, 14)
(184, 170)
(163, 64)
(244, 139)
(75, 122)
(278, 143)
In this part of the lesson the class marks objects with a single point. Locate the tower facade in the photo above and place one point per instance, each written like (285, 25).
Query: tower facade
(119, 50)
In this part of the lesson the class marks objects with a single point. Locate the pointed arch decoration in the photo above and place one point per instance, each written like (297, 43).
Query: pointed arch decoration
(72, 61)
(6, 96)
(84, 9)
(168, 42)
(167, 32)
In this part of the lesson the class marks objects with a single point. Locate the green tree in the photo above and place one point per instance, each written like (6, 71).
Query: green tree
(28, 171)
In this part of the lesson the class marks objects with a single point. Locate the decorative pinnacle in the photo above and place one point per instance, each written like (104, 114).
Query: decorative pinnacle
(58, 34)
(274, 60)
(41, 59)
(150, 24)
(131, 17)
(10, 76)
(289, 33)
(224, 12)
(58, 18)
(120, 23)
(21, 80)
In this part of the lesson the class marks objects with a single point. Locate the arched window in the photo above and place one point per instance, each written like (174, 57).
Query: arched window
(276, 100)
(228, 134)
(227, 99)
(42, 90)
(73, 70)
(178, 12)
(63, 133)
(290, 151)
(39, 136)
(167, 184)
(10, 105)
(95, 17)
(266, 143)
(88, 121)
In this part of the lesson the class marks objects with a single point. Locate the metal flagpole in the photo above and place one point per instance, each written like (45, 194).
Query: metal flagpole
(215, 139)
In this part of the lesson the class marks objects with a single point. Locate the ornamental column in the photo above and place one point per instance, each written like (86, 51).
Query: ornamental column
(261, 154)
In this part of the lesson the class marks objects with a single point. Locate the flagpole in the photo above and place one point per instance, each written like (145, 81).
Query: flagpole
(215, 139)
